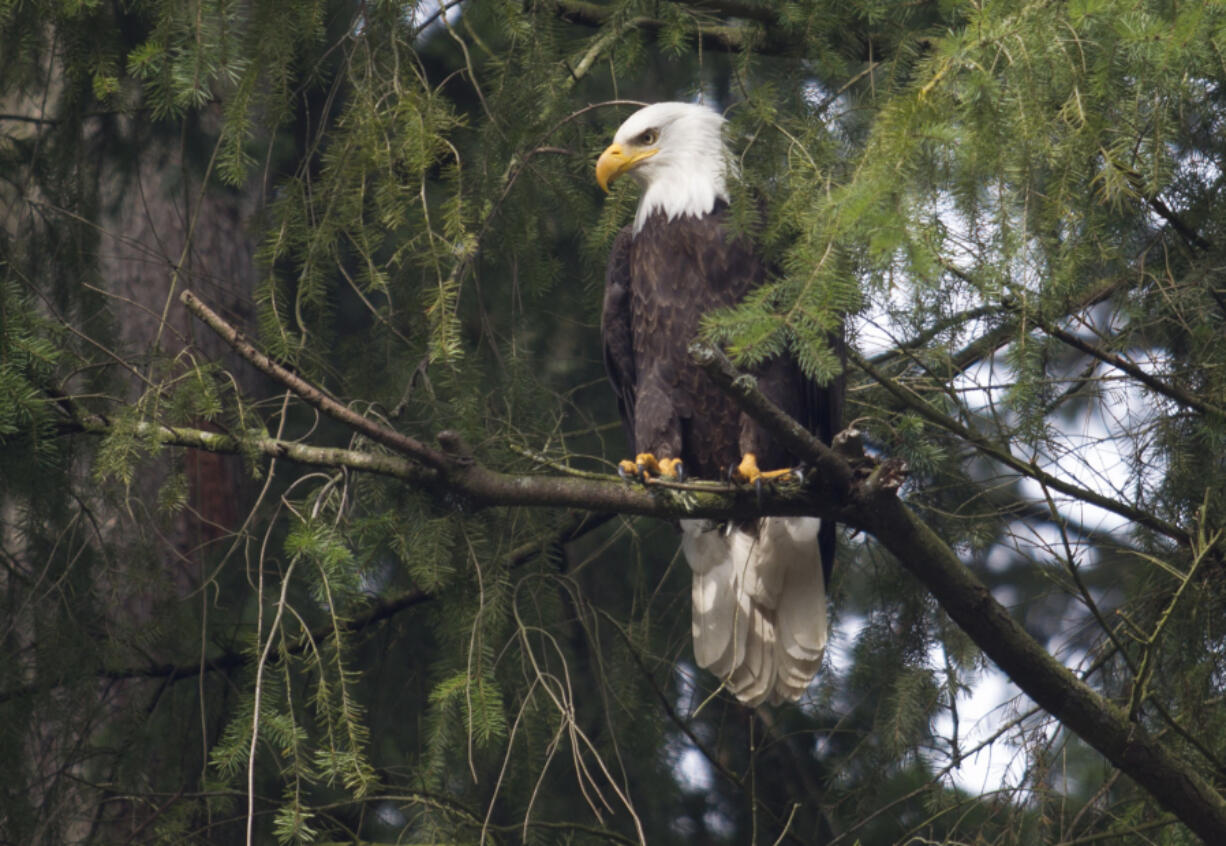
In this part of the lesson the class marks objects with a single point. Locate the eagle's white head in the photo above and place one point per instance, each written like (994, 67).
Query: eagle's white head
(676, 152)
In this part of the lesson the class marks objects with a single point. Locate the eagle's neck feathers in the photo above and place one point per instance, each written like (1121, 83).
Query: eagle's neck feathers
(689, 173)
(690, 190)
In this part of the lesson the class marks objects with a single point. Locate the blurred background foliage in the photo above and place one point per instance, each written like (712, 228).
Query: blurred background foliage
(1013, 206)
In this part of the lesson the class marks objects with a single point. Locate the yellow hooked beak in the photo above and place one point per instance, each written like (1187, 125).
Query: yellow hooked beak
(614, 161)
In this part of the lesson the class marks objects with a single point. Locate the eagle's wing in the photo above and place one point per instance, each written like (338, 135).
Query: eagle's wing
(615, 331)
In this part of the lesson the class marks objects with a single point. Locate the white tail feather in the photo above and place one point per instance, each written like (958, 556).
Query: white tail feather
(759, 605)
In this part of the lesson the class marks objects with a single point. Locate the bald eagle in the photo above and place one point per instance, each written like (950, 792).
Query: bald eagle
(759, 599)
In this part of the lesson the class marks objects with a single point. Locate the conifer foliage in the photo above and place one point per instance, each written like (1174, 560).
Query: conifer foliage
(309, 530)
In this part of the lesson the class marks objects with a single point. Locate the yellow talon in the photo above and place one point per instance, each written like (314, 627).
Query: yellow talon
(776, 474)
(672, 468)
(645, 465)
(747, 471)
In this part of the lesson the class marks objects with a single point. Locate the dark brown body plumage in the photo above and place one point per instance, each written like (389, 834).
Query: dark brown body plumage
(658, 285)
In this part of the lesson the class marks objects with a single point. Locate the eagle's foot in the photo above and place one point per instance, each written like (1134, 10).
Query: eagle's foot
(646, 465)
(748, 473)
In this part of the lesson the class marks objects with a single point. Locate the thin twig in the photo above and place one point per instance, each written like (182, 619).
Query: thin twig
(915, 402)
(390, 438)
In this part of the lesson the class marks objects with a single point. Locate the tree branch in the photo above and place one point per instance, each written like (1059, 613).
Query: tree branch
(1173, 392)
(390, 438)
(924, 338)
(379, 463)
(988, 343)
(917, 403)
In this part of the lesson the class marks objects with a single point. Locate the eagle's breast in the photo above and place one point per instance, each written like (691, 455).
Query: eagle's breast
(680, 269)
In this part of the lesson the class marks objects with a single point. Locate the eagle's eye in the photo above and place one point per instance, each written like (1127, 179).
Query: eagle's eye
(648, 138)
